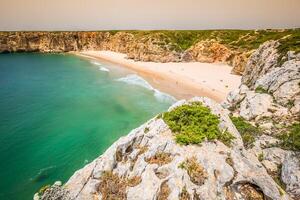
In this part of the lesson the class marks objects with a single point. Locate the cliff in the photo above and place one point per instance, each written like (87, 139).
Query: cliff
(246, 148)
(231, 46)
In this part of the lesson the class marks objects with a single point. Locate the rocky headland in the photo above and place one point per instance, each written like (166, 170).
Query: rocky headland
(248, 147)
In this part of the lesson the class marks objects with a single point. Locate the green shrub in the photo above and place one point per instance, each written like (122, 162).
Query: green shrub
(194, 123)
(146, 129)
(261, 90)
(261, 157)
(291, 140)
(247, 130)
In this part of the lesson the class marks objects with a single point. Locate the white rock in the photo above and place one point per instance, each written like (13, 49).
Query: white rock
(58, 183)
(212, 156)
(290, 174)
(255, 105)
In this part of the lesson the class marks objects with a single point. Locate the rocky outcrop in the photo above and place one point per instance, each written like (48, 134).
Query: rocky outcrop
(262, 61)
(208, 51)
(149, 164)
(269, 89)
(269, 97)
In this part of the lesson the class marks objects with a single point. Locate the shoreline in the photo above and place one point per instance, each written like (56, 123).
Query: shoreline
(181, 80)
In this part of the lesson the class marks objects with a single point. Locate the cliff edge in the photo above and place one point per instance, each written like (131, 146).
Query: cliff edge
(246, 148)
(233, 47)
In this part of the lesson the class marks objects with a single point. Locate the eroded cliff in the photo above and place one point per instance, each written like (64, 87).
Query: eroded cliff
(232, 46)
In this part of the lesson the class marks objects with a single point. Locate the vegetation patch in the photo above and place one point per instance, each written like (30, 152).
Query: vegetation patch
(247, 131)
(290, 42)
(229, 161)
(251, 192)
(134, 181)
(197, 173)
(229, 195)
(113, 187)
(160, 158)
(146, 130)
(194, 123)
(164, 191)
(277, 178)
(261, 157)
(261, 90)
(142, 150)
(241, 40)
(184, 195)
(291, 139)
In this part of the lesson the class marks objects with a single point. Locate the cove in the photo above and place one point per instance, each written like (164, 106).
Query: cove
(58, 112)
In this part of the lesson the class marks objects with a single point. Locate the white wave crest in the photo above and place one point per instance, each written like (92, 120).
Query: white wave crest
(134, 79)
(96, 63)
(103, 69)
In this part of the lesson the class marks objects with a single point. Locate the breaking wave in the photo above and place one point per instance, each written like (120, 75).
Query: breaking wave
(134, 79)
(104, 69)
(96, 63)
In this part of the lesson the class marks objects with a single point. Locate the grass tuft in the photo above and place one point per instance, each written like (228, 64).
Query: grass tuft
(291, 139)
(160, 158)
(196, 172)
(247, 131)
(261, 90)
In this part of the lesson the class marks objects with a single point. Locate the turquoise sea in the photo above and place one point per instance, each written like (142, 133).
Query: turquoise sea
(58, 112)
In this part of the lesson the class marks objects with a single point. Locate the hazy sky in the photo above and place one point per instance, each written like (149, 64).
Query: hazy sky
(147, 14)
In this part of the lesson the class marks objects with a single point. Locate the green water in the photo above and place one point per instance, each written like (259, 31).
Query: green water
(58, 112)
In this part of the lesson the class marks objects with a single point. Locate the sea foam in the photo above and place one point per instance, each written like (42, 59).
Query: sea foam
(104, 69)
(96, 63)
(134, 79)
(101, 68)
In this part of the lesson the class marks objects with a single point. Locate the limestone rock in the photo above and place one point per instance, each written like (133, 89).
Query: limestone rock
(282, 82)
(224, 170)
(272, 158)
(262, 61)
(290, 174)
(255, 104)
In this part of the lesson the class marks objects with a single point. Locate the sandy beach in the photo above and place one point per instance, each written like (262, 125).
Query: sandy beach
(181, 80)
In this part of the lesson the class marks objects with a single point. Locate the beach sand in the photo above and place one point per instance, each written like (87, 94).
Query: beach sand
(181, 80)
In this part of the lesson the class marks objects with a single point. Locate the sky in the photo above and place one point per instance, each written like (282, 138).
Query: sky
(148, 14)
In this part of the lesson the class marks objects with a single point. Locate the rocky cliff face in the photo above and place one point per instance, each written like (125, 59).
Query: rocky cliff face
(148, 164)
(261, 163)
(155, 47)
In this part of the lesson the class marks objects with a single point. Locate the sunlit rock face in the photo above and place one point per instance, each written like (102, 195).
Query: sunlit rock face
(149, 164)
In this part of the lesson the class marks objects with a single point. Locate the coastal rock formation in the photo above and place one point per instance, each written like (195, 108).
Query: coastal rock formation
(208, 51)
(231, 46)
(269, 97)
(269, 89)
(262, 61)
(149, 164)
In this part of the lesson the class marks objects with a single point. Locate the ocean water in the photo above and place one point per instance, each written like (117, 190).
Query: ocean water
(59, 112)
